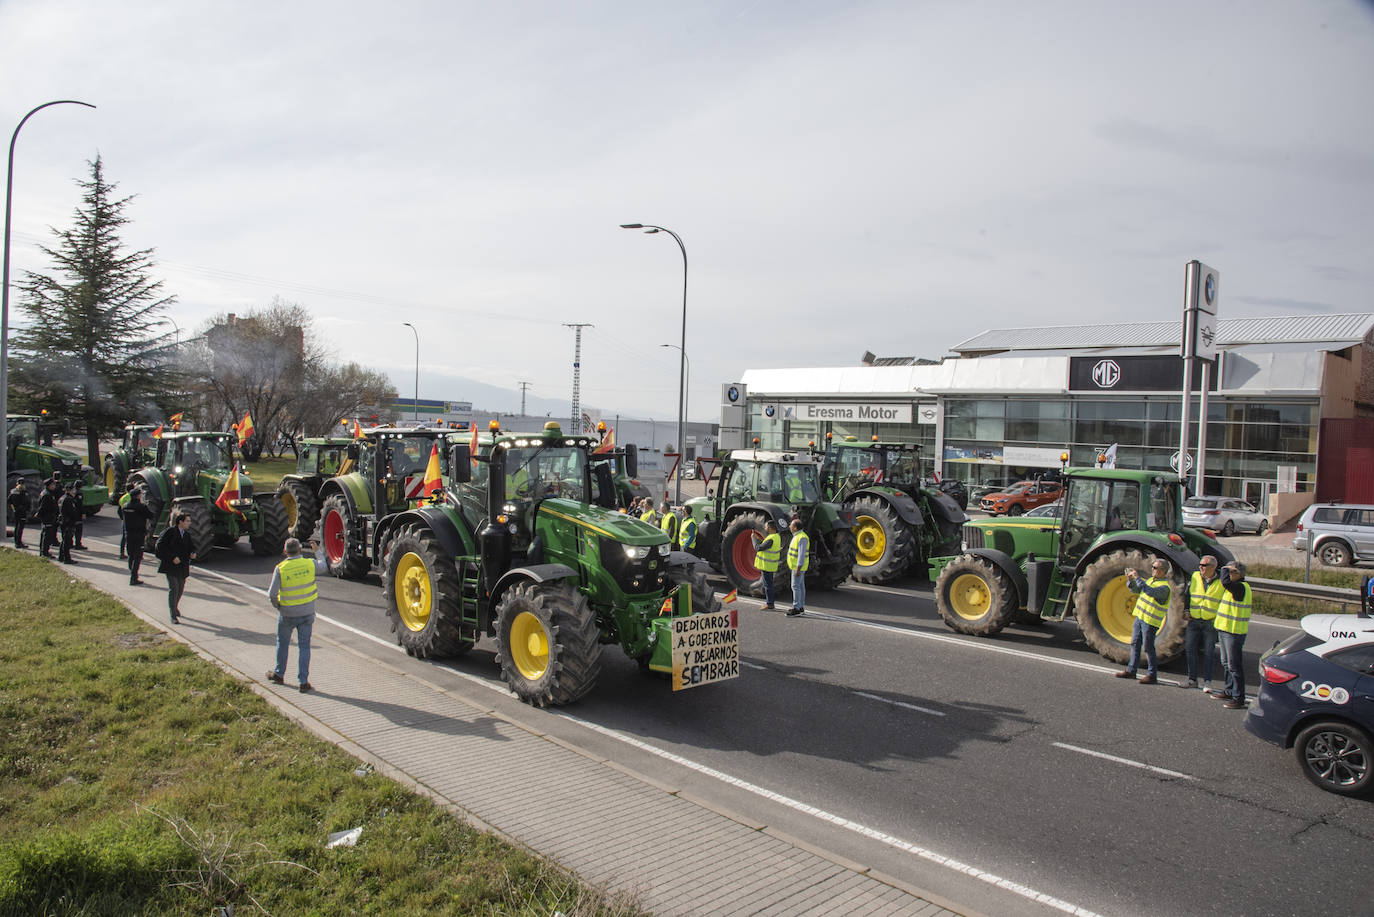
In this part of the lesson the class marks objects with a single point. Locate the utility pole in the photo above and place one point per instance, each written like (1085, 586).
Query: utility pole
(577, 374)
(524, 387)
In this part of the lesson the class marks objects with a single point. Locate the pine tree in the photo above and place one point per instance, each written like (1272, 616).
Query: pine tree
(88, 353)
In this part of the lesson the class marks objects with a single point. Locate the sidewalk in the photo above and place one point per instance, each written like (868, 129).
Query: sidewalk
(609, 825)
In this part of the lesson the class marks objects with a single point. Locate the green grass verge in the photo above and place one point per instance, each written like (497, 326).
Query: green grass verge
(1279, 606)
(267, 472)
(140, 779)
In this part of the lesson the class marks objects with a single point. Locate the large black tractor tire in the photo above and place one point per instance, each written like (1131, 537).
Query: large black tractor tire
(737, 552)
(274, 528)
(547, 643)
(423, 596)
(343, 555)
(974, 597)
(202, 530)
(704, 601)
(833, 566)
(1104, 606)
(885, 545)
(302, 509)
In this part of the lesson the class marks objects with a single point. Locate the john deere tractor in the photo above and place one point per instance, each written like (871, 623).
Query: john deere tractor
(755, 487)
(32, 458)
(1048, 569)
(137, 449)
(317, 460)
(189, 475)
(900, 522)
(527, 546)
(384, 473)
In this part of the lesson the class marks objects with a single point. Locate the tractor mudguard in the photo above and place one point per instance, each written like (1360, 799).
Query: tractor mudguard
(1007, 566)
(354, 491)
(682, 559)
(1181, 557)
(778, 514)
(946, 507)
(539, 573)
(905, 507)
(453, 537)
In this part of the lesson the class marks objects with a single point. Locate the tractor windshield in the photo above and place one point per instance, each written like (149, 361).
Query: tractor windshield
(22, 431)
(1093, 507)
(409, 455)
(537, 472)
(793, 482)
(208, 452)
(1163, 515)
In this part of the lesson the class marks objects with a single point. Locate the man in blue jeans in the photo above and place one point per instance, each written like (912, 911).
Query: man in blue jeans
(798, 560)
(1151, 608)
(293, 593)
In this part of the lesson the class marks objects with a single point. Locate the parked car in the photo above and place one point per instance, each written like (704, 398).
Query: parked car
(1317, 697)
(1224, 515)
(1018, 498)
(1340, 533)
(993, 486)
(1049, 510)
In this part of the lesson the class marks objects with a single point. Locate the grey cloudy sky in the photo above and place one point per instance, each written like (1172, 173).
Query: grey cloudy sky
(884, 176)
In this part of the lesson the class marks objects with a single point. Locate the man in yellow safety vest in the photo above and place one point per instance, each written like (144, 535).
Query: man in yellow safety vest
(293, 593)
(798, 560)
(1205, 590)
(767, 556)
(1151, 608)
(1233, 623)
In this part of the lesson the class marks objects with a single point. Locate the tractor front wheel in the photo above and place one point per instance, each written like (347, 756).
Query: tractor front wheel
(202, 530)
(704, 601)
(974, 597)
(1105, 607)
(738, 550)
(115, 473)
(302, 509)
(274, 528)
(344, 557)
(423, 596)
(547, 643)
(884, 543)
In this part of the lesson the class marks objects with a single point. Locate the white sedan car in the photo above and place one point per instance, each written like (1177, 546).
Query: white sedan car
(1223, 515)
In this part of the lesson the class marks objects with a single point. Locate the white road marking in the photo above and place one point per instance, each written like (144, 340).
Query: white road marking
(1127, 761)
(897, 703)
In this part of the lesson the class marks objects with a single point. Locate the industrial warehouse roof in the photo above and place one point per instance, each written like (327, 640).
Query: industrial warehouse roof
(1341, 330)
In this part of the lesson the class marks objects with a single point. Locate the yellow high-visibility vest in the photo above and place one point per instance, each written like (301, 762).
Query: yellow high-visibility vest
(687, 535)
(799, 552)
(1204, 599)
(1233, 615)
(1147, 609)
(769, 553)
(297, 577)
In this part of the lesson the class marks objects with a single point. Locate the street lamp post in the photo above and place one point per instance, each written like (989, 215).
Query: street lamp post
(682, 349)
(5, 281)
(686, 392)
(416, 404)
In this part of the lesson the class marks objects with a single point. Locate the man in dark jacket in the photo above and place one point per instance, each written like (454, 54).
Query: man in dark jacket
(68, 515)
(20, 507)
(47, 517)
(137, 518)
(175, 553)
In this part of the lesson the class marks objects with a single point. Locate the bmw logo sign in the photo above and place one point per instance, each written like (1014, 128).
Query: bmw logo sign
(732, 393)
(770, 411)
(1209, 289)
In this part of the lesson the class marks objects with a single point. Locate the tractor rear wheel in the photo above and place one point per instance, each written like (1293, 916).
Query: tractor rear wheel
(974, 597)
(832, 568)
(884, 543)
(115, 473)
(342, 555)
(423, 596)
(202, 530)
(302, 509)
(274, 528)
(547, 643)
(737, 552)
(1104, 606)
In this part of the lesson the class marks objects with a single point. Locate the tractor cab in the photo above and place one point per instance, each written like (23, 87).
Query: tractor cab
(394, 467)
(326, 457)
(198, 463)
(1098, 506)
(139, 444)
(850, 465)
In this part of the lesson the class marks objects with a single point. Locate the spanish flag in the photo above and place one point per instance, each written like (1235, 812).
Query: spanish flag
(607, 442)
(175, 421)
(730, 596)
(667, 607)
(433, 481)
(357, 429)
(230, 492)
(245, 431)
(157, 434)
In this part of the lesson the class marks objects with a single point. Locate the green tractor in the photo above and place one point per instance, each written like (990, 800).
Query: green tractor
(528, 546)
(32, 458)
(188, 476)
(386, 475)
(1045, 569)
(137, 448)
(755, 487)
(900, 522)
(317, 460)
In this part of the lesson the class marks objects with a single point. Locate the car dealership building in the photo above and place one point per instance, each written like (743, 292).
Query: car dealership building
(1290, 404)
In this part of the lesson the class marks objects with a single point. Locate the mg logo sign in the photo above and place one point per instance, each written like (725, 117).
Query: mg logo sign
(1106, 373)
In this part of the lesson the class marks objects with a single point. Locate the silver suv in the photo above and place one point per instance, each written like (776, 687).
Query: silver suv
(1340, 533)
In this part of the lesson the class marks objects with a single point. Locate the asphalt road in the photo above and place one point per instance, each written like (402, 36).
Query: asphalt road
(986, 770)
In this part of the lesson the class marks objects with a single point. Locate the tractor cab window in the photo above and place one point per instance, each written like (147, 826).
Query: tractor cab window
(367, 460)
(20, 431)
(788, 483)
(330, 459)
(902, 467)
(1093, 508)
(539, 472)
(144, 442)
(740, 488)
(207, 453)
(1163, 515)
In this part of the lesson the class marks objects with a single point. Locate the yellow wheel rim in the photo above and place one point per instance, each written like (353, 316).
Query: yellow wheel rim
(413, 598)
(110, 478)
(288, 503)
(970, 596)
(872, 540)
(529, 645)
(1115, 609)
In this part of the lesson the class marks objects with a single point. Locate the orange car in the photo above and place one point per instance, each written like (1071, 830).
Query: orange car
(1018, 498)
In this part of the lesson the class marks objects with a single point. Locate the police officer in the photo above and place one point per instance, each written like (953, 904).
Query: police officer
(767, 556)
(798, 561)
(1233, 623)
(137, 517)
(1205, 590)
(47, 517)
(68, 514)
(1151, 608)
(20, 506)
(293, 593)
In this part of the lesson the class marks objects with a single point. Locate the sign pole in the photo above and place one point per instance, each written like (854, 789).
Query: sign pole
(1202, 428)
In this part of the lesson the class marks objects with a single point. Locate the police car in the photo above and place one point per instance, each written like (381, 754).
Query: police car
(1317, 697)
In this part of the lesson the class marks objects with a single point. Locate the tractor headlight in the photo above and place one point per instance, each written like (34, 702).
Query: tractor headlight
(636, 551)
(664, 549)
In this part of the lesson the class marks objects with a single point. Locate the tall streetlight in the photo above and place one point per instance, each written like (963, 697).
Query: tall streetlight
(416, 405)
(687, 390)
(5, 281)
(682, 349)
